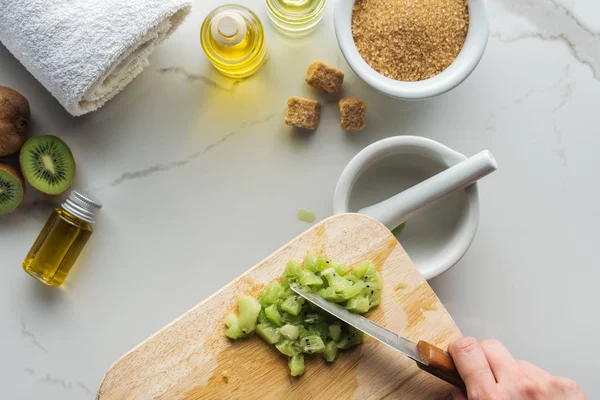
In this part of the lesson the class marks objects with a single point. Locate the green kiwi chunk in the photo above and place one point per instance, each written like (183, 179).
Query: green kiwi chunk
(47, 164)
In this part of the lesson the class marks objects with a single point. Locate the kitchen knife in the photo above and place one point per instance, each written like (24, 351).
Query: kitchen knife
(428, 357)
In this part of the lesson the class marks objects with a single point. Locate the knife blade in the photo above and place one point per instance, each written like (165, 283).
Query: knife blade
(428, 357)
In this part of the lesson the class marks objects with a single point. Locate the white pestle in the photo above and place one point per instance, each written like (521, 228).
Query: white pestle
(401, 207)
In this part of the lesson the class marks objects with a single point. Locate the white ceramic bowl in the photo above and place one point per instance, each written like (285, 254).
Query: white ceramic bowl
(440, 235)
(458, 71)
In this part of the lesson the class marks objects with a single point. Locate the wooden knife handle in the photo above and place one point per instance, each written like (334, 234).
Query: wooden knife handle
(440, 364)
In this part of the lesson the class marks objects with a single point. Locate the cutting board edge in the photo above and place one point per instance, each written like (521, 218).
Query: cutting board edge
(227, 286)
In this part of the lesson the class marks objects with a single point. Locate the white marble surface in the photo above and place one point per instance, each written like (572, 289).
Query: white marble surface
(201, 180)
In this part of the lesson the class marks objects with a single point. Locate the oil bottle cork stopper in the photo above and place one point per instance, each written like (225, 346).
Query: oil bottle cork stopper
(228, 28)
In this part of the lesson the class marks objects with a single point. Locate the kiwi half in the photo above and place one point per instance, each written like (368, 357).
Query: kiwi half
(11, 189)
(47, 164)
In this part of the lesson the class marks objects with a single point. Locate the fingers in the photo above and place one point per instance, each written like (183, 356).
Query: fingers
(568, 388)
(532, 372)
(503, 365)
(472, 365)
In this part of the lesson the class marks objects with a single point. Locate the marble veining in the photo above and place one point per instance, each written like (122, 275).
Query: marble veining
(555, 22)
(30, 336)
(47, 379)
(165, 167)
(224, 84)
(161, 167)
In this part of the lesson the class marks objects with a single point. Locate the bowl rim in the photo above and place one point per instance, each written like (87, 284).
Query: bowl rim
(464, 64)
(464, 234)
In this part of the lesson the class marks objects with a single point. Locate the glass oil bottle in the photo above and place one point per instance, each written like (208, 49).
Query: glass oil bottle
(62, 239)
(295, 18)
(233, 39)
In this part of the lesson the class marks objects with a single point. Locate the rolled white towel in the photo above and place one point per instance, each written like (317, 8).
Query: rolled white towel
(85, 51)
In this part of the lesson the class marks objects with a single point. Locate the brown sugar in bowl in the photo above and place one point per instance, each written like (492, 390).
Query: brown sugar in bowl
(430, 84)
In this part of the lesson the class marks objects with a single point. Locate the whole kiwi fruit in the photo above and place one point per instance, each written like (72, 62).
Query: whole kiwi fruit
(14, 121)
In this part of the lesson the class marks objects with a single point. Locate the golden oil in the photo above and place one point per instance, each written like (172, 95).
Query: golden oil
(295, 18)
(62, 239)
(233, 39)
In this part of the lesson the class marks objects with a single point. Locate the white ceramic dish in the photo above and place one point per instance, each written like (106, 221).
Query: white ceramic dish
(457, 72)
(438, 236)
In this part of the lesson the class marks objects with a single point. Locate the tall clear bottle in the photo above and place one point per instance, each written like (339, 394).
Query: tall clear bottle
(62, 239)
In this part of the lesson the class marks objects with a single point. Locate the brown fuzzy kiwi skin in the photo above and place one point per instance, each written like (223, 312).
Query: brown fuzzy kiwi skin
(14, 121)
(39, 190)
(17, 175)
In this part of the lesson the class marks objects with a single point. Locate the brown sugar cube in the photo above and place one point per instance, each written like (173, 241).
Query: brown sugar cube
(303, 113)
(352, 114)
(325, 77)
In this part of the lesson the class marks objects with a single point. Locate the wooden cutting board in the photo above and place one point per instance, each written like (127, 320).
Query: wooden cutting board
(192, 359)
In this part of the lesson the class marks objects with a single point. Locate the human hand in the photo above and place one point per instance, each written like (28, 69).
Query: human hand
(491, 373)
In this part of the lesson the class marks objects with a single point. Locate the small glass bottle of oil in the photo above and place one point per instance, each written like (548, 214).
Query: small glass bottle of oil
(62, 239)
(234, 41)
(295, 18)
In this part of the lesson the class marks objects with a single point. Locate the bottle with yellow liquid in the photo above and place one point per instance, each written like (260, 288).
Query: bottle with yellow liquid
(62, 239)
(295, 18)
(234, 41)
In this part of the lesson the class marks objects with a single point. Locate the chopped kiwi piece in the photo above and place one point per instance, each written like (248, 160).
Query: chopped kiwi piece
(249, 308)
(308, 278)
(11, 189)
(291, 273)
(296, 364)
(335, 330)
(312, 344)
(331, 351)
(337, 282)
(311, 263)
(233, 325)
(47, 164)
(311, 318)
(272, 294)
(371, 278)
(374, 296)
(293, 304)
(315, 263)
(268, 332)
(341, 269)
(360, 269)
(320, 329)
(354, 290)
(287, 347)
(273, 315)
(331, 295)
(262, 317)
(290, 331)
(297, 327)
(358, 304)
(350, 337)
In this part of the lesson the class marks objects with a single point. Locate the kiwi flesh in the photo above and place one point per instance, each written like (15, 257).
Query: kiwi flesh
(11, 189)
(297, 328)
(47, 164)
